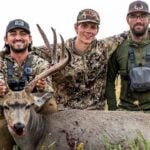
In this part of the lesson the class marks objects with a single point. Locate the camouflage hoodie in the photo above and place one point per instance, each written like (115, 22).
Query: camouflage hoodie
(81, 84)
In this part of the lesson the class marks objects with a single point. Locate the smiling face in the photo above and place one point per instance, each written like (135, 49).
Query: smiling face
(18, 40)
(86, 32)
(138, 23)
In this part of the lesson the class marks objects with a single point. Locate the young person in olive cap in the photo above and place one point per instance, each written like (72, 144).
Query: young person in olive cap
(78, 86)
(132, 61)
(81, 84)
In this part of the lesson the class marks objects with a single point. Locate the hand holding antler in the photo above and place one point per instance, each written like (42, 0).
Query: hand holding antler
(40, 85)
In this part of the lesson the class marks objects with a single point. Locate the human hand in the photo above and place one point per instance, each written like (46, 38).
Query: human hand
(2, 88)
(40, 85)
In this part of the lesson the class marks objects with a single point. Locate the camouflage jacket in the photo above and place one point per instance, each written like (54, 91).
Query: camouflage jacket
(38, 66)
(81, 84)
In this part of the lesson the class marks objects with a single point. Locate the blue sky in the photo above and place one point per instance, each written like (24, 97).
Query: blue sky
(61, 14)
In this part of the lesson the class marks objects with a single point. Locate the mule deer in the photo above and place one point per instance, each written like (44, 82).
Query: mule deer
(68, 129)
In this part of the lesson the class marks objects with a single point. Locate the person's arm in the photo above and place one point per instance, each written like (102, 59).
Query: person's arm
(113, 42)
(42, 52)
(3, 88)
(110, 83)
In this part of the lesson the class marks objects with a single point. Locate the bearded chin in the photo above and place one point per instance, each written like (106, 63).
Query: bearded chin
(139, 33)
(18, 50)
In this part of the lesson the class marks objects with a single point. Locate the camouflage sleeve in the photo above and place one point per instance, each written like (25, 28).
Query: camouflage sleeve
(42, 52)
(45, 53)
(113, 42)
(41, 65)
(1, 69)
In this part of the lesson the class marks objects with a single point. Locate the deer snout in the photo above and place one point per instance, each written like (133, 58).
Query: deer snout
(19, 128)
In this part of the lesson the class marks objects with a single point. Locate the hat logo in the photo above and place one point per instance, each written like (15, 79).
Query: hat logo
(138, 7)
(19, 23)
(83, 16)
(89, 15)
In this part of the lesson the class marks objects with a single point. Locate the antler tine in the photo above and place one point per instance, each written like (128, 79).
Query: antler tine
(56, 67)
(62, 47)
(54, 58)
(45, 39)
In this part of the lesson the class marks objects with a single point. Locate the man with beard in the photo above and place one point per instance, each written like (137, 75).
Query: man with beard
(131, 60)
(18, 67)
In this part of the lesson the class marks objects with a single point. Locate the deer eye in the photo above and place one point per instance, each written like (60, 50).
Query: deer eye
(6, 107)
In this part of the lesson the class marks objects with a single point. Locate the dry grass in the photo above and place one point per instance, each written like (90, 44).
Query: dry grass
(118, 87)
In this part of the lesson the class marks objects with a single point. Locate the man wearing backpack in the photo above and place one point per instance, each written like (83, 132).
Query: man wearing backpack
(132, 61)
(17, 68)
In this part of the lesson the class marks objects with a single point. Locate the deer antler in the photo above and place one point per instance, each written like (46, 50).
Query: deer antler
(64, 59)
(54, 47)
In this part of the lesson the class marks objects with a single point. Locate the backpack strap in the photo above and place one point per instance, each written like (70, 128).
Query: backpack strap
(148, 54)
(27, 68)
(27, 71)
(131, 56)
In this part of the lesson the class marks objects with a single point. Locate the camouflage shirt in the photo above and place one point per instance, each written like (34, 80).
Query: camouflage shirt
(38, 65)
(81, 84)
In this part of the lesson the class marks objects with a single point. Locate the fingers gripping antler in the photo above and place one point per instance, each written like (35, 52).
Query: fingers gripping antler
(64, 59)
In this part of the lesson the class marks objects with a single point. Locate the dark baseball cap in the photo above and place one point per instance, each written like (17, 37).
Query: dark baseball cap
(18, 23)
(88, 15)
(138, 6)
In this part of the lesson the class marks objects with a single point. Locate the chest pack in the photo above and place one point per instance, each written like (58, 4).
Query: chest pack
(139, 74)
(19, 83)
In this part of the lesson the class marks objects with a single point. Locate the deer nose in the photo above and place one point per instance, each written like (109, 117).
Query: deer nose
(19, 128)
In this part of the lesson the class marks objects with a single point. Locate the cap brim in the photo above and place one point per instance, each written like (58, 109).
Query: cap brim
(16, 27)
(137, 12)
(82, 21)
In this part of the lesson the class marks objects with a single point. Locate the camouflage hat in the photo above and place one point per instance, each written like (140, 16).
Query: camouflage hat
(18, 23)
(88, 15)
(138, 6)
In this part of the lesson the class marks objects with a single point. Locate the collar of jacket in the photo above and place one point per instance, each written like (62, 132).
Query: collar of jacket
(70, 44)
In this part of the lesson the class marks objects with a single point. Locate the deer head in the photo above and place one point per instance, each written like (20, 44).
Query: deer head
(16, 107)
(16, 104)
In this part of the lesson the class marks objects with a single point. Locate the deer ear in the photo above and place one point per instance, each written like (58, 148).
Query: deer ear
(41, 100)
